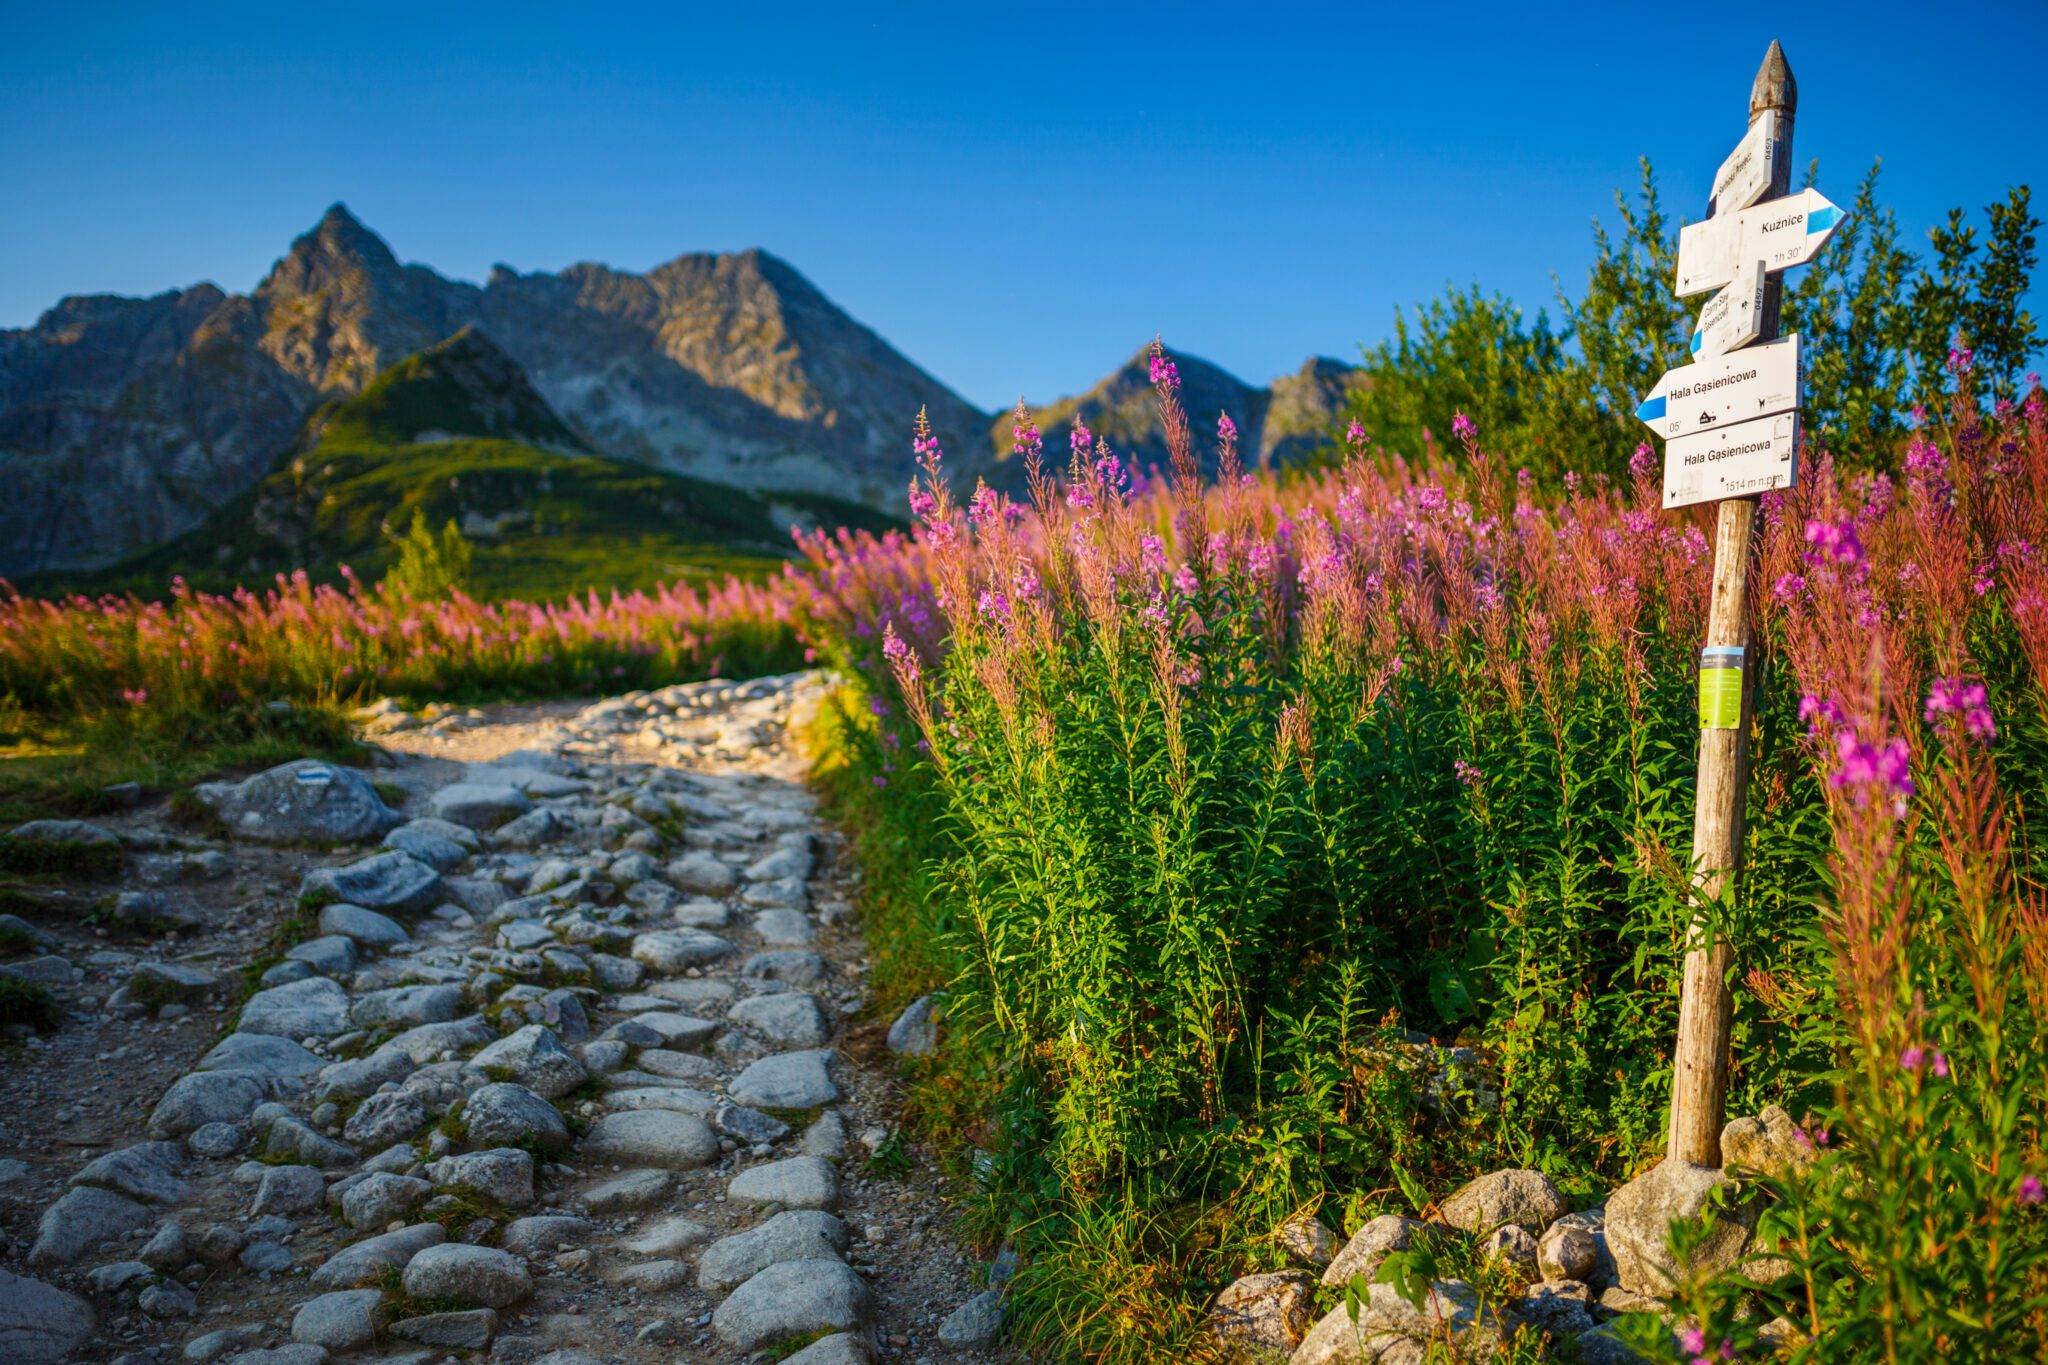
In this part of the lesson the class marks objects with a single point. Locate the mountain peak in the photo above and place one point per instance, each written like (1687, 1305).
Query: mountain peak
(463, 386)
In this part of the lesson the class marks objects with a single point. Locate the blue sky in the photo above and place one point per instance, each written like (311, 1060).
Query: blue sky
(1016, 198)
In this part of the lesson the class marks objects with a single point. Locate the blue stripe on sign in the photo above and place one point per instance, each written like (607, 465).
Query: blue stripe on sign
(1699, 339)
(1652, 408)
(1820, 220)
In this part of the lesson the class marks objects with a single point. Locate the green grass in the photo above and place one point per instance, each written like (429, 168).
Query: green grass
(61, 772)
(59, 857)
(28, 1002)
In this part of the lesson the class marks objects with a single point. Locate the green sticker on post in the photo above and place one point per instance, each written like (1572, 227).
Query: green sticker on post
(1721, 687)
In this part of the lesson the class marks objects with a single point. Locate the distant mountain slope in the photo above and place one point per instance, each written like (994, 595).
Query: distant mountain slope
(459, 432)
(124, 422)
(1293, 418)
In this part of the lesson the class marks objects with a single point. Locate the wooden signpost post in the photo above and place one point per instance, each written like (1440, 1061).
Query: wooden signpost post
(1731, 430)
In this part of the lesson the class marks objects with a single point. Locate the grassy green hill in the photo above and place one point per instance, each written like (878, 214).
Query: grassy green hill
(458, 432)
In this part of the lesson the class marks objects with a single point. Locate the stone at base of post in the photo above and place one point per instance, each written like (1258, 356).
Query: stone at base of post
(1640, 1213)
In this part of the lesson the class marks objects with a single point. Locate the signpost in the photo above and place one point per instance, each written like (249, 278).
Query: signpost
(1745, 176)
(1730, 423)
(1733, 317)
(1781, 233)
(1731, 426)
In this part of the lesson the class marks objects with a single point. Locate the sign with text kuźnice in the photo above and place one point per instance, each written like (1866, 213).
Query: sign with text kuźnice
(1779, 232)
(1745, 176)
(1725, 390)
(1736, 461)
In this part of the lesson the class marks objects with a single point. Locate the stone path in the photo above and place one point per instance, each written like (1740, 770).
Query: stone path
(556, 1072)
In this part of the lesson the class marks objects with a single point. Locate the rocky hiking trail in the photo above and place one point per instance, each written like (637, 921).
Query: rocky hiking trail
(572, 1062)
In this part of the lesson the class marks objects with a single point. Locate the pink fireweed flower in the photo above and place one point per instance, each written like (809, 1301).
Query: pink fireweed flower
(1354, 436)
(1467, 773)
(982, 509)
(1081, 440)
(1165, 375)
(1692, 1341)
(1184, 580)
(1863, 769)
(1984, 581)
(1788, 587)
(994, 605)
(1961, 359)
(1965, 700)
(1226, 430)
(1925, 457)
(1152, 553)
(921, 502)
(899, 653)
(1916, 1056)
(1024, 438)
(1819, 715)
(2030, 1191)
(1110, 470)
(1834, 542)
(135, 696)
(1643, 461)
(1259, 561)
(1431, 498)
(1464, 428)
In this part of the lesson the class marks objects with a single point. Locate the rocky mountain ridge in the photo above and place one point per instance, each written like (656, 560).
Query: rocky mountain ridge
(126, 422)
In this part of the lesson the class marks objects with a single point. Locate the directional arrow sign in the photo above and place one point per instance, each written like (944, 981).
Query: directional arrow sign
(1724, 391)
(1779, 232)
(1746, 174)
(1732, 318)
(1732, 461)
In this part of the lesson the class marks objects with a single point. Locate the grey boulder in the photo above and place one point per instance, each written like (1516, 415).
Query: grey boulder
(535, 1058)
(787, 1080)
(798, 1235)
(481, 1275)
(39, 1323)
(380, 1198)
(340, 1321)
(479, 805)
(364, 926)
(278, 1059)
(199, 1098)
(313, 1008)
(798, 1182)
(786, 1019)
(1522, 1197)
(306, 799)
(383, 881)
(504, 1114)
(147, 1171)
(655, 1138)
(360, 1263)
(789, 1299)
(384, 1118)
(78, 1223)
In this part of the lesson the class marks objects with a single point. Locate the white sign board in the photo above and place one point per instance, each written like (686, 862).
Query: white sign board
(1733, 317)
(1779, 232)
(1746, 174)
(1731, 462)
(1725, 391)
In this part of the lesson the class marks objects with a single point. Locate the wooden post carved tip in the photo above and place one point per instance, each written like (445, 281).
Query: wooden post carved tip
(1774, 87)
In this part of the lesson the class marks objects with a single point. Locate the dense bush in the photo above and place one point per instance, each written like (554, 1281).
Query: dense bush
(1230, 786)
(1878, 322)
